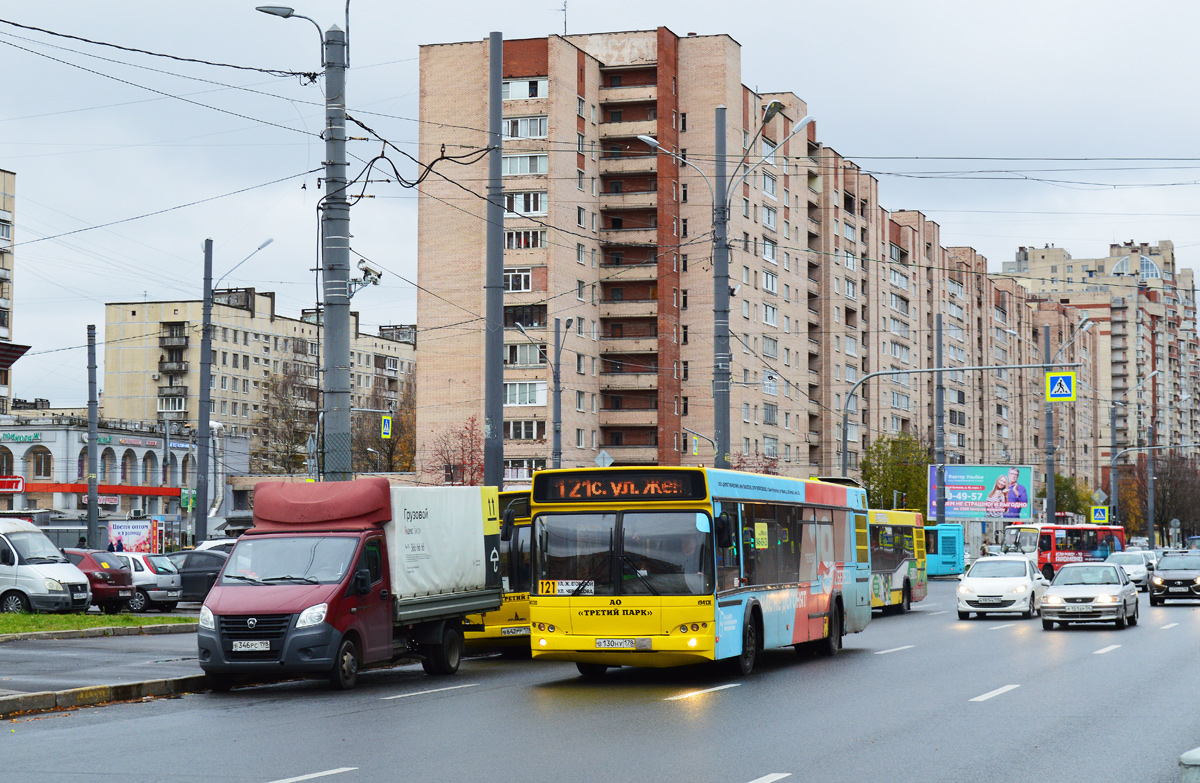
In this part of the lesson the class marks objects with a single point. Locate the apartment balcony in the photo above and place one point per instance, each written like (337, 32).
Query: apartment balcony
(173, 367)
(629, 381)
(629, 417)
(5, 274)
(644, 237)
(172, 341)
(642, 199)
(627, 308)
(629, 345)
(621, 130)
(172, 391)
(641, 93)
(642, 455)
(628, 164)
(619, 273)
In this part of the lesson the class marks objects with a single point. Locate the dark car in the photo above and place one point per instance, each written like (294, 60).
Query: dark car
(111, 580)
(198, 570)
(1177, 575)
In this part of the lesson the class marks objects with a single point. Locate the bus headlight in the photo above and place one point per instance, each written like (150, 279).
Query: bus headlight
(692, 642)
(683, 628)
(542, 642)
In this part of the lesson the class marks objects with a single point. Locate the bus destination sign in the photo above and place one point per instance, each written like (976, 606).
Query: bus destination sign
(601, 486)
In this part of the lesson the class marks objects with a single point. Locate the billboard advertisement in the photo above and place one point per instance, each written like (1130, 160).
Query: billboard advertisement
(1001, 492)
(134, 535)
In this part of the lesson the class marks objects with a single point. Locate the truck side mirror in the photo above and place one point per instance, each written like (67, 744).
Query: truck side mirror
(507, 526)
(362, 581)
(724, 530)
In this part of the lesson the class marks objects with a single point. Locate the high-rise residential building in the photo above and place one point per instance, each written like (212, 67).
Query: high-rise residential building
(9, 351)
(264, 368)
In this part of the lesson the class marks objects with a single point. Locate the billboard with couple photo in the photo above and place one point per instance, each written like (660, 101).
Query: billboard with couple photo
(984, 492)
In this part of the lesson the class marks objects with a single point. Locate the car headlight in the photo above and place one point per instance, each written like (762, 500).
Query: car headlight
(964, 590)
(207, 621)
(1106, 599)
(1052, 599)
(1158, 580)
(54, 586)
(1198, 580)
(313, 615)
(1018, 589)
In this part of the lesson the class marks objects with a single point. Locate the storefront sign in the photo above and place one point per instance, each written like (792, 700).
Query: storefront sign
(12, 484)
(103, 500)
(21, 437)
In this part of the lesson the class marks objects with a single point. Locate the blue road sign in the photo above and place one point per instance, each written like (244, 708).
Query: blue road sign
(385, 427)
(1100, 515)
(1060, 386)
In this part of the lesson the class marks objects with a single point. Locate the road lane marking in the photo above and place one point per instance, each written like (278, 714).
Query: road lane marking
(1169, 625)
(422, 693)
(690, 694)
(998, 627)
(944, 611)
(315, 775)
(774, 776)
(896, 649)
(1107, 649)
(997, 692)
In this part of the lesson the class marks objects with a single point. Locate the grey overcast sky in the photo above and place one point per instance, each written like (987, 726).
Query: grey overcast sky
(97, 135)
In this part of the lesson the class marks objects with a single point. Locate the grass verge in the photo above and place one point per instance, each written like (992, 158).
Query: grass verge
(29, 623)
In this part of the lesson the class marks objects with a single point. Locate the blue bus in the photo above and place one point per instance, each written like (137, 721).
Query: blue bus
(666, 566)
(944, 549)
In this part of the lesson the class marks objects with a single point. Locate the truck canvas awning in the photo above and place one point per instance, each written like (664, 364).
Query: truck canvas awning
(281, 506)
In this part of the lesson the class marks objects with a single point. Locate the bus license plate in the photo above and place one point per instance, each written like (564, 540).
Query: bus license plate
(522, 630)
(988, 600)
(1177, 589)
(252, 646)
(1077, 608)
(615, 644)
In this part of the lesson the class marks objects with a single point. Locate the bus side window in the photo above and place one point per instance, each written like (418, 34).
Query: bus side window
(521, 544)
(1044, 542)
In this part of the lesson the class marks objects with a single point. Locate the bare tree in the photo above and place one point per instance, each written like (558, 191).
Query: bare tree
(394, 453)
(456, 455)
(1176, 494)
(288, 418)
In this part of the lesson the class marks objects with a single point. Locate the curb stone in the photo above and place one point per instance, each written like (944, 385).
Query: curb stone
(112, 630)
(98, 694)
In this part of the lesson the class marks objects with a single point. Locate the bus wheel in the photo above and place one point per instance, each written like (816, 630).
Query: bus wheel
(749, 655)
(906, 601)
(591, 671)
(832, 645)
(1048, 571)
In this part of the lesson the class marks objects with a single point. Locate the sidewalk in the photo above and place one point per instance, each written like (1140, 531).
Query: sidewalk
(48, 673)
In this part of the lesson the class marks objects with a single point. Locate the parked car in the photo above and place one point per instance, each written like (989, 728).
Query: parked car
(1136, 565)
(111, 580)
(156, 582)
(1090, 593)
(197, 571)
(1005, 583)
(34, 574)
(219, 544)
(1177, 576)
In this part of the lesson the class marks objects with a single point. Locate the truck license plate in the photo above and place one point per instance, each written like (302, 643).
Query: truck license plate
(520, 630)
(1178, 589)
(124, 593)
(615, 644)
(1077, 608)
(252, 646)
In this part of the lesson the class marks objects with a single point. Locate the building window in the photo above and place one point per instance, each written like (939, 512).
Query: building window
(525, 393)
(518, 279)
(518, 89)
(581, 217)
(514, 165)
(525, 430)
(525, 127)
(525, 355)
(525, 203)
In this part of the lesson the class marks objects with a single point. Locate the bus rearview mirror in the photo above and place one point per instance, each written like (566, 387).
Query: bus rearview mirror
(506, 527)
(724, 530)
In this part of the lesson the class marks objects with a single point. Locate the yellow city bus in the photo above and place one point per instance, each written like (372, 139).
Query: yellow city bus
(507, 628)
(898, 570)
(665, 566)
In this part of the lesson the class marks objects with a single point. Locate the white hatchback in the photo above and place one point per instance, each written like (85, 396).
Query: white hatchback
(1005, 583)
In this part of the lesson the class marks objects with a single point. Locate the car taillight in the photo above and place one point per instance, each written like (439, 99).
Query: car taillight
(153, 568)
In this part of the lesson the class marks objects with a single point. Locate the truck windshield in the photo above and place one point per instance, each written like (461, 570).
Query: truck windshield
(634, 553)
(34, 547)
(298, 560)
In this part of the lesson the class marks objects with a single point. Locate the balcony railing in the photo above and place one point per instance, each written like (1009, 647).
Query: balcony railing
(172, 391)
(172, 341)
(173, 367)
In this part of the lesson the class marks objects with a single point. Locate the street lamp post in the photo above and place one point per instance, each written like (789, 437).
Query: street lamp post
(335, 253)
(376, 453)
(720, 195)
(556, 410)
(1113, 486)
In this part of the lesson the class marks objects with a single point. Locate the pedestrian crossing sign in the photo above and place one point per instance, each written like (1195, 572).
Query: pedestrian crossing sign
(385, 427)
(1060, 387)
(1100, 515)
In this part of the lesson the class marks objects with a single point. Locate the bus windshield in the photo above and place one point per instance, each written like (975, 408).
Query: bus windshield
(632, 553)
(1019, 540)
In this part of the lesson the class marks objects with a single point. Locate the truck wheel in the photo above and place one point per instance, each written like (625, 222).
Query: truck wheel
(139, 602)
(444, 658)
(13, 602)
(344, 674)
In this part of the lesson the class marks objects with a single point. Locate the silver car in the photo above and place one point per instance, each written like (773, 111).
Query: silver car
(1090, 593)
(1136, 565)
(156, 579)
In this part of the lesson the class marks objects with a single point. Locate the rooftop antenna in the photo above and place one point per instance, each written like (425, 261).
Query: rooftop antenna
(564, 13)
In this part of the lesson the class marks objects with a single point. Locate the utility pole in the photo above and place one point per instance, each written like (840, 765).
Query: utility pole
(493, 286)
(335, 265)
(1112, 471)
(93, 491)
(200, 504)
(939, 432)
(1050, 509)
(1150, 486)
(721, 355)
(556, 442)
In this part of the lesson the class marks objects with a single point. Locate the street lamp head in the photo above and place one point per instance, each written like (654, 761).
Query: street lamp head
(371, 450)
(264, 244)
(1085, 324)
(567, 325)
(770, 110)
(1013, 332)
(276, 10)
(649, 141)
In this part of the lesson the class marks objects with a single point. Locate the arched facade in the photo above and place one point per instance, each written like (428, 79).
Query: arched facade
(39, 464)
(129, 468)
(6, 462)
(107, 466)
(151, 476)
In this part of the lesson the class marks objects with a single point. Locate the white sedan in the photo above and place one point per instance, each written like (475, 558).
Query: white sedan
(1136, 567)
(1005, 583)
(1089, 593)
